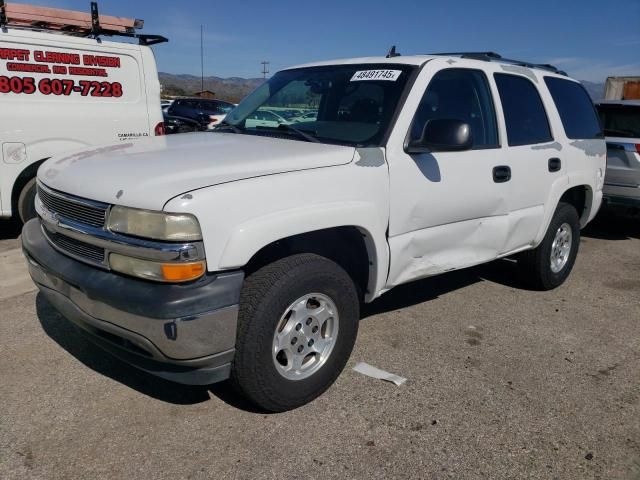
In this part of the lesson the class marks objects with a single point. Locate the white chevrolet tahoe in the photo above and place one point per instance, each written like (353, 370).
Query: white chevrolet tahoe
(245, 253)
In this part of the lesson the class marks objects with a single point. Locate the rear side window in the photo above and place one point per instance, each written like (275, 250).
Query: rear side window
(523, 109)
(575, 108)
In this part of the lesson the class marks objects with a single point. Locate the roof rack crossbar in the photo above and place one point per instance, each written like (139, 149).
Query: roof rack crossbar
(495, 57)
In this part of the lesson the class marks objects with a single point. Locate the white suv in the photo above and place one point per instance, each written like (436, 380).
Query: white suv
(246, 252)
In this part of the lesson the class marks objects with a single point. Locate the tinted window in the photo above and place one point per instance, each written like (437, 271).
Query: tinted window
(620, 120)
(575, 108)
(459, 94)
(224, 107)
(524, 113)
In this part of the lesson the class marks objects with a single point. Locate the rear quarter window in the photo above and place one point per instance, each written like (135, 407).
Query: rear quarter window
(576, 110)
(524, 112)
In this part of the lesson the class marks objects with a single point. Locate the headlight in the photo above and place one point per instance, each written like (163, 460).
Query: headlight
(160, 272)
(173, 227)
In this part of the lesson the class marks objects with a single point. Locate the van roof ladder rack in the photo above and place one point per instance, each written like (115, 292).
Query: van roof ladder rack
(495, 57)
(73, 22)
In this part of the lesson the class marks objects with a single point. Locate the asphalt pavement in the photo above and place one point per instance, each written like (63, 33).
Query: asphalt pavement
(503, 383)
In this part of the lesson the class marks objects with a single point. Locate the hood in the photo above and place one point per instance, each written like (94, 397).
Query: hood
(149, 173)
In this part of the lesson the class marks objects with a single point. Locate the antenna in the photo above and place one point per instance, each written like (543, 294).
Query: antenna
(392, 52)
(201, 58)
(265, 68)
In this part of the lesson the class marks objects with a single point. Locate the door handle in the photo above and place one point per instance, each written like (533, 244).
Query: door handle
(555, 164)
(501, 174)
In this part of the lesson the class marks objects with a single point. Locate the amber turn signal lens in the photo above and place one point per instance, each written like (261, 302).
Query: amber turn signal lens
(182, 272)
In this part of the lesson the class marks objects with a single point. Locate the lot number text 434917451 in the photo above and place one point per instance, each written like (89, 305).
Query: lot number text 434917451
(56, 86)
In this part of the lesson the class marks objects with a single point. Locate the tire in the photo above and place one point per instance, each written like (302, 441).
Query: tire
(27, 201)
(536, 266)
(266, 305)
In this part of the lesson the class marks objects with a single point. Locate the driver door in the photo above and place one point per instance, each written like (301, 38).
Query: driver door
(449, 209)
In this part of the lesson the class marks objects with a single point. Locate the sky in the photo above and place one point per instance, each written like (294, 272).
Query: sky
(589, 39)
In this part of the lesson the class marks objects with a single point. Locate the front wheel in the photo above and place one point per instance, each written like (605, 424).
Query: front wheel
(548, 266)
(297, 325)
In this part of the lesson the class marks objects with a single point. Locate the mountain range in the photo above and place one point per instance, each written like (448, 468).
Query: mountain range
(234, 89)
(231, 89)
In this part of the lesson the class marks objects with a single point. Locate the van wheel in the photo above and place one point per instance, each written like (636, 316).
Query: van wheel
(548, 266)
(27, 201)
(297, 324)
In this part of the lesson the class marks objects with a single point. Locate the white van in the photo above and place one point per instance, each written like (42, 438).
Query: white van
(60, 92)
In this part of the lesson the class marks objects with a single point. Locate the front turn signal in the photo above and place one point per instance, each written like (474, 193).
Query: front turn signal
(182, 272)
(157, 271)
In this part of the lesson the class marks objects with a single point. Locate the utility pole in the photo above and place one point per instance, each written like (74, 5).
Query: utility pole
(265, 69)
(202, 58)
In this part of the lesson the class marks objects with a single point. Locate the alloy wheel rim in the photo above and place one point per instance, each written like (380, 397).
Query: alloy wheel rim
(561, 248)
(305, 336)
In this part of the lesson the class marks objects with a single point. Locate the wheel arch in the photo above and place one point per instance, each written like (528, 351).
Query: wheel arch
(580, 196)
(310, 226)
(24, 177)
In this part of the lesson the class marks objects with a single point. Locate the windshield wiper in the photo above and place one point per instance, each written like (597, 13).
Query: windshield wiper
(300, 133)
(229, 126)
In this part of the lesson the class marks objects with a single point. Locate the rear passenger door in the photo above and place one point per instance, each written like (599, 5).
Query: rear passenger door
(536, 160)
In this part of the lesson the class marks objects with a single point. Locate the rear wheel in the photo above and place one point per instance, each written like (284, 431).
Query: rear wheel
(548, 266)
(297, 324)
(27, 201)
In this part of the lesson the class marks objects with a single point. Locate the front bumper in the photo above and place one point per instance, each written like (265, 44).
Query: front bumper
(181, 332)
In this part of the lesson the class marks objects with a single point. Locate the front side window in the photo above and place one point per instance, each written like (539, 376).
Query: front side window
(459, 94)
(524, 113)
(344, 104)
(575, 108)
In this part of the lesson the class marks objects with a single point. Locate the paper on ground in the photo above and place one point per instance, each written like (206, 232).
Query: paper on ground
(374, 372)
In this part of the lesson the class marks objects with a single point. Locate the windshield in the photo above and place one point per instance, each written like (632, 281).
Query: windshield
(620, 120)
(344, 104)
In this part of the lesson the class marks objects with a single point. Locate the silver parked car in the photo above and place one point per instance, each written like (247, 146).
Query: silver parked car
(621, 124)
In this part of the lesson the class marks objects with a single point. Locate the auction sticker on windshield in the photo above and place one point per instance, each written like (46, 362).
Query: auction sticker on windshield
(390, 75)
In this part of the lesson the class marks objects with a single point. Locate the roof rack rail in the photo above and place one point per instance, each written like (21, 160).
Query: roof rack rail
(75, 23)
(495, 57)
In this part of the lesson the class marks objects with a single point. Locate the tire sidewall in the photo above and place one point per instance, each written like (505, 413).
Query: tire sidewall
(564, 214)
(319, 276)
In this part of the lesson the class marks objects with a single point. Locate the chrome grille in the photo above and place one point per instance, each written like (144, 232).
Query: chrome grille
(76, 248)
(74, 209)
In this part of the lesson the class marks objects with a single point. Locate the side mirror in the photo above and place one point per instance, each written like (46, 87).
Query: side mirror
(443, 135)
